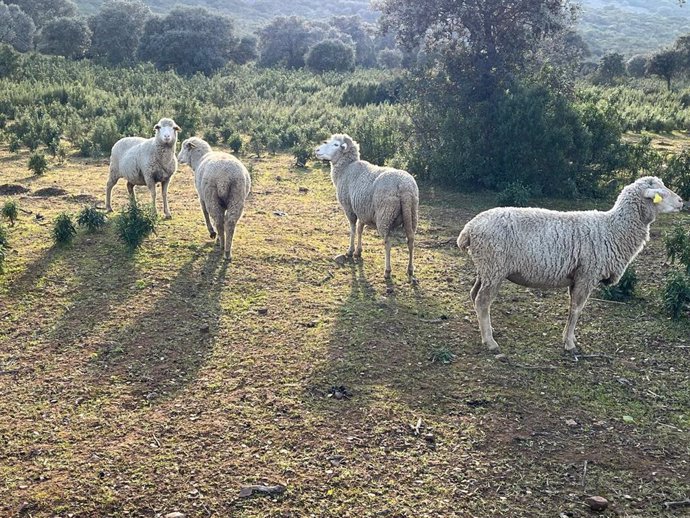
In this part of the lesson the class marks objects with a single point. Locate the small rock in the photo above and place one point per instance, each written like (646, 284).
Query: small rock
(390, 290)
(176, 514)
(279, 178)
(340, 259)
(279, 213)
(501, 357)
(571, 422)
(597, 503)
(262, 311)
(303, 190)
(205, 328)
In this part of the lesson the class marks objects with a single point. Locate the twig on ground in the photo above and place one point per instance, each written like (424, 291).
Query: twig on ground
(680, 503)
(609, 301)
(579, 357)
(584, 475)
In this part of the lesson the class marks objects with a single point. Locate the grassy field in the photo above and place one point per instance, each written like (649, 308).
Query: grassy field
(166, 380)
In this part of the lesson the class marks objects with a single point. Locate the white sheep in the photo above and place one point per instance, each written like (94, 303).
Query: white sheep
(223, 184)
(549, 249)
(146, 162)
(379, 197)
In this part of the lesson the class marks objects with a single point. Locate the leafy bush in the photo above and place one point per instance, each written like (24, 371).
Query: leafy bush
(302, 154)
(676, 294)
(678, 246)
(63, 229)
(38, 164)
(514, 195)
(3, 237)
(91, 219)
(10, 211)
(135, 223)
(624, 290)
(2, 258)
(235, 142)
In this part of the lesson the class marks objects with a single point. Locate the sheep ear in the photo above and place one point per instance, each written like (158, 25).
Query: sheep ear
(654, 195)
(157, 127)
(176, 128)
(191, 145)
(343, 146)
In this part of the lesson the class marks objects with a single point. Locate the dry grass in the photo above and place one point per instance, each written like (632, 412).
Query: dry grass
(141, 384)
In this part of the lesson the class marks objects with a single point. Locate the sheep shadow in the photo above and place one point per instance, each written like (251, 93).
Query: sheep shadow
(374, 347)
(159, 350)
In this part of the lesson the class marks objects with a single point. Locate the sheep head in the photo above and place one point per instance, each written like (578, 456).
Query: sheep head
(651, 197)
(166, 132)
(337, 147)
(192, 150)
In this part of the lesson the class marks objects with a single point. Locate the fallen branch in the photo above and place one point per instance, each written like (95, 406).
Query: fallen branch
(248, 491)
(680, 503)
(15, 371)
(533, 367)
(584, 475)
(24, 211)
(579, 357)
(608, 301)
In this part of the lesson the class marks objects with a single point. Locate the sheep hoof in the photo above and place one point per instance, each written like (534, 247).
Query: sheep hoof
(108, 209)
(212, 235)
(414, 281)
(387, 274)
(357, 254)
(228, 258)
(349, 254)
(168, 216)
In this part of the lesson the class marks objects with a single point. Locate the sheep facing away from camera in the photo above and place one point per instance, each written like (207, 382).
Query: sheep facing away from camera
(379, 197)
(223, 184)
(542, 248)
(146, 162)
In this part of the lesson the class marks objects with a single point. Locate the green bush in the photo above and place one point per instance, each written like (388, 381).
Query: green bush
(38, 164)
(676, 294)
(678, 246)
(135, 223)
(235, 142)
(91, 219)
(3, 237)
(10, 211)
(514, 195)
(624, 290)
(63, 229)
(2, 258)
(302, 154)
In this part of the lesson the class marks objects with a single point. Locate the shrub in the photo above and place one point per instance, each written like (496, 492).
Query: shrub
(624, 290)
(10, 211)
(329, 55)
(63, 229)
(38, 164)
(678, 246)
(2, 258)
(676, 294)
(514, 195)
(235, 142)
(3, 237)
(135, 223)
(302, 154)
(15, 144)
(91, 219)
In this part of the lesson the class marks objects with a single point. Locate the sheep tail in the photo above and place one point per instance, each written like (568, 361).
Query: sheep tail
(408, 208)
(464, 238)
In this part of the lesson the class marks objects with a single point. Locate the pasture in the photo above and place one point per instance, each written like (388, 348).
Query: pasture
(140, 384)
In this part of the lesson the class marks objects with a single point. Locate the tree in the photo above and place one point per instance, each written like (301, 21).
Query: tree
(69, 37)
(9, 60)
(189, 40)
(286, 40)
(611, 66)
(16, 28)
(390, 58)
(636, 66)
(361, 34)
(328, 55)
(246, 50)
(117, 29)
(665, 64)
(42, 11)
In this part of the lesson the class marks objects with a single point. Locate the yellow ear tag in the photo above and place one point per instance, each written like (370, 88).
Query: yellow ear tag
(658, 198)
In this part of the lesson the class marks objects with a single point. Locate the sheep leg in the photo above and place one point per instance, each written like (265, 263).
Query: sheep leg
(130, 190)
(211, 232)
(164, 191)
(410, 248)
(475, 288)
(387, 242)
(579, 293)
(482, 305)
(152, 189)
(353, 222)
(230, 224)
(108, 191)
(218, 216)
(359, 230)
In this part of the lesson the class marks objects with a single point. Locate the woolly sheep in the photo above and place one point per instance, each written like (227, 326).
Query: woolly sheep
(223, 184)
(378, 197)
(550, 249)
(147, 162)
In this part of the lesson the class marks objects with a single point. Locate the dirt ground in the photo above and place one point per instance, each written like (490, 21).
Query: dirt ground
(140, 384)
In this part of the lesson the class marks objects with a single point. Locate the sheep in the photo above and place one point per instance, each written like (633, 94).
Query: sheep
(380, 197)
(223, 184)
(147, 162)
(542, 248)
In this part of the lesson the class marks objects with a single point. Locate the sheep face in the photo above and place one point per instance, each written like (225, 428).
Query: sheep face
(185, 155)
(331, 149)
(662, 198)
(166, 132)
